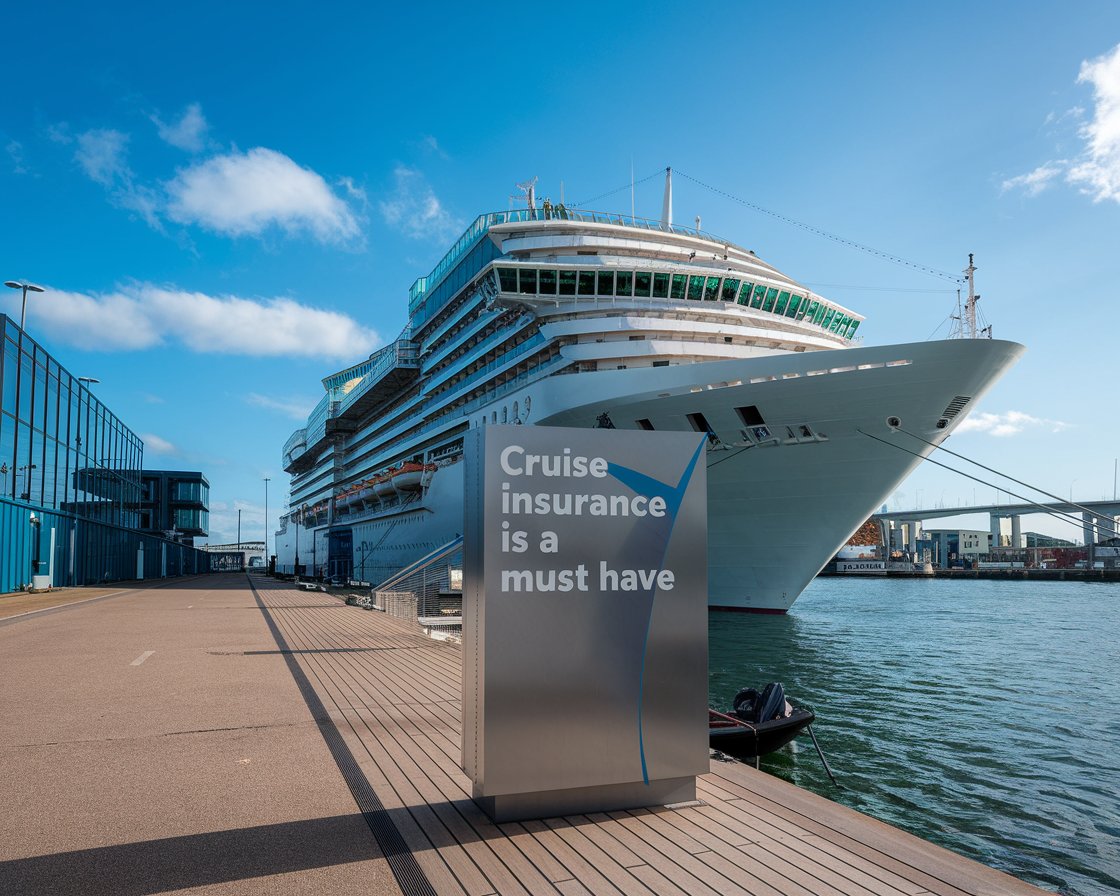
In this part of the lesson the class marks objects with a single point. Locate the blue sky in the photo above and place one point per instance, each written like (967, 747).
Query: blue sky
(226, 203)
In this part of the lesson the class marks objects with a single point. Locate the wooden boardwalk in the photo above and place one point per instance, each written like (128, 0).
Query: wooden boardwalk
(394, 695)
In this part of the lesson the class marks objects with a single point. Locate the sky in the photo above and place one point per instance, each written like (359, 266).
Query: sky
(227, 202)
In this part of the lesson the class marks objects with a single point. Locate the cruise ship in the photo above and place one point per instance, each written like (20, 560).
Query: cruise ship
(549, 316)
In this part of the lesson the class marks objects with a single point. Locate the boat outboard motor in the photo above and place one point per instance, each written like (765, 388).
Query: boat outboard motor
(745, 705)
(772, 703)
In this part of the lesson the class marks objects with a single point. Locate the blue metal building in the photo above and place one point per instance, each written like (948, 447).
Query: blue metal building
(70, 481)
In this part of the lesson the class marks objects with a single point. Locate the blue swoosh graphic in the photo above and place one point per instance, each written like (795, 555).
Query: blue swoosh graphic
(645, 485)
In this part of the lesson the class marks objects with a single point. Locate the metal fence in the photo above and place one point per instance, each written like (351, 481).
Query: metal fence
(430, 592)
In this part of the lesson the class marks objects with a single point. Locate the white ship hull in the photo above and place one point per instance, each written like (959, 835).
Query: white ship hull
(778, 508)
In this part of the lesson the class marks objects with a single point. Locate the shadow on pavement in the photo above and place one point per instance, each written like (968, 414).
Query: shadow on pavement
(175, 863)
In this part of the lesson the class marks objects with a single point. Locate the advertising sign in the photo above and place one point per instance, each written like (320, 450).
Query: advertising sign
(584, 619)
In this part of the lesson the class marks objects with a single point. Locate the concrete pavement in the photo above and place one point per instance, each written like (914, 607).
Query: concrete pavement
(155, 741)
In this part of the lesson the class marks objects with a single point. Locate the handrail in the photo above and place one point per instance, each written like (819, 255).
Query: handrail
(402, 353)
(482, 224)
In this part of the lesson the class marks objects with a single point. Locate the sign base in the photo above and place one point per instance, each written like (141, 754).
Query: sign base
(581, 800)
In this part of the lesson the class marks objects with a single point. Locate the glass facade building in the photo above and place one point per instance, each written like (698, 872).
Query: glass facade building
(176, 504)
(70, 480)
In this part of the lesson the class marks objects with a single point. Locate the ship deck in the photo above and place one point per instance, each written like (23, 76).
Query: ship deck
(229, 738)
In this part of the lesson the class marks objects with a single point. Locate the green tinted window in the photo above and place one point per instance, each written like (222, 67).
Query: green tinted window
(821, 312)
(711, 289)
(695, 288)
(508, 278)
(567, 283)
(643, 280)
(794, 303)
(679, 281)
(783, 301)
(661, 286)
(759, 294)
(771, 298)
(852, 329)
(528, 281)
(841, 325)
(745, 294)
(624, 281)
(547, 283)
(810, 308)
(587, 283)
(831, 313)
(606, 283)
(730, 290)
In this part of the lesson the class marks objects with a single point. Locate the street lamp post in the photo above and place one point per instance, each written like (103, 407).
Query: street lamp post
(266, 481)
(26, 469)
(26, 287)
(295, 569)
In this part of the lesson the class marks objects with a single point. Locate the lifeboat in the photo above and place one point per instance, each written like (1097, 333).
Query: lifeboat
(408, 477)
(383, 485)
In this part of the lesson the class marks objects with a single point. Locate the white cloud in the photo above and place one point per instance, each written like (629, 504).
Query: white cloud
(431, 145)
(1009, 423)
(188, 133)
(295, 408)
(246, 193)
(15, 153)
(1099, 170)
(1035, 181)
(143, 315)
(156, 445)
(1096, 169)
(415, 210)
(101, 153)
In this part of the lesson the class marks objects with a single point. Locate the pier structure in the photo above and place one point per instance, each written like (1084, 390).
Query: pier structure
(1100, 521)
(232, 733)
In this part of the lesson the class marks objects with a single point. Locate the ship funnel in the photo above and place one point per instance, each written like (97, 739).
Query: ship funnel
(667, 202)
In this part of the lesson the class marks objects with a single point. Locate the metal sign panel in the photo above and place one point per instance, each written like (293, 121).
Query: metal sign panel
(585, 618)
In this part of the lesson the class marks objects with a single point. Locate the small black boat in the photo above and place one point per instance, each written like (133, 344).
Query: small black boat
(759, 723)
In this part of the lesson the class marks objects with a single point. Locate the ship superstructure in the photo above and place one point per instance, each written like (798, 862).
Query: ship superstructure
(553, 316)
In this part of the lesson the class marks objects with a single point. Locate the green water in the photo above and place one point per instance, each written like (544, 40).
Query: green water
(982, 716)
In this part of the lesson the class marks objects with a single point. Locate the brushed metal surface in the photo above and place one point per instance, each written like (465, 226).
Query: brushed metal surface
(589, 687)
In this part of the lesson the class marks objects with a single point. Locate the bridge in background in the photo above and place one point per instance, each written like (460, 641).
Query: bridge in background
(1098, 518)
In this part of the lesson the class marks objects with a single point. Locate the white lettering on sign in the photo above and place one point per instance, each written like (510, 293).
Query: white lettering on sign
(545, 503)
(515, 462)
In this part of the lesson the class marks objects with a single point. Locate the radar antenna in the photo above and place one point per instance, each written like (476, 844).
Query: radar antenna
(529, 188)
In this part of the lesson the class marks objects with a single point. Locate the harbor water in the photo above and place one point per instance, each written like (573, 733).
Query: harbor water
(983, 715)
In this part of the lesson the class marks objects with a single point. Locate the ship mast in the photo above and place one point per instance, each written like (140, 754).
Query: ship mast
(964, 321)
(970, 305)
(667, 201)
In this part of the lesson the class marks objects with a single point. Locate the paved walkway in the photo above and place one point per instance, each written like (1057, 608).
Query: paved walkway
(155, 741)
(207, 738)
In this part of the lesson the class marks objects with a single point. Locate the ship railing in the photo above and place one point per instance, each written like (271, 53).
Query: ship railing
(297, 439)
(317, 422)
(537, 339)
(482, 224)
(401, 353)
(403, 432)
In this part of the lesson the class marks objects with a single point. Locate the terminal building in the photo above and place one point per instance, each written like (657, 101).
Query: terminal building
(71, 485)
(175, 504)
